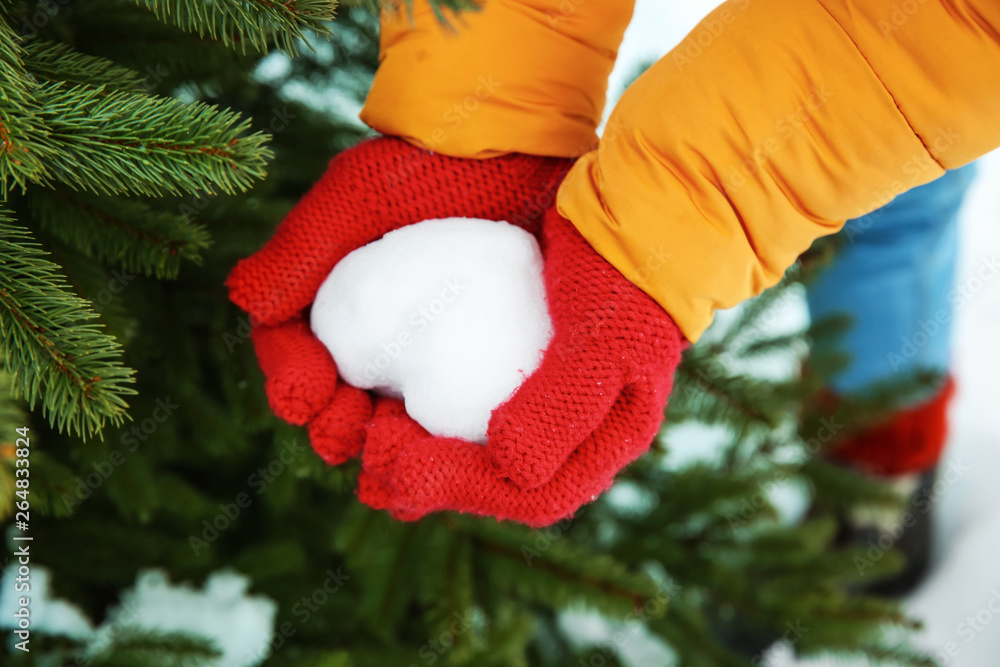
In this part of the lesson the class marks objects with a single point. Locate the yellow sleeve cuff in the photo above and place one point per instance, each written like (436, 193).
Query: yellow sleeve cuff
(526, 76)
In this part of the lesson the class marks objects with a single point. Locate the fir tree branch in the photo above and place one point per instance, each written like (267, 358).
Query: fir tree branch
(689, 632)
(119, 232)
(449, 586)
(243, 23)
(564, 572)
(52, 484)
(58, 62)
(873, 654)
(92, 280)
(22, 150)
(133, 37)
(116, 142)
(306, 657)
(737, 401)
(15, 79)
(765, 346)
(12, 417)
(51, 347)
(748, 322)
(157, 649)
(11, 414)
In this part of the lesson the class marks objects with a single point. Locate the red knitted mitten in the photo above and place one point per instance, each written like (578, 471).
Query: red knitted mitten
(593, 406)
(367, 191)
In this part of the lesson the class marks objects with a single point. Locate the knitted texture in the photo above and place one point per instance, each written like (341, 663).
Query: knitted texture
(594, 405)
(337, 431)
(300, 374)
(390, 430)
(911, 441)
(302, 387)
(379, 185)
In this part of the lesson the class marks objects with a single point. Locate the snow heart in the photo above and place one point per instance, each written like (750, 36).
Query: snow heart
(449, 315)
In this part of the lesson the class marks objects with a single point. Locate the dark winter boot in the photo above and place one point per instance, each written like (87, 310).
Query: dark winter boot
(904, 450)
(907, 532)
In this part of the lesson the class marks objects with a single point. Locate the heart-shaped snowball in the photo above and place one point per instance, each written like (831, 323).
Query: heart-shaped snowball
(449, 315)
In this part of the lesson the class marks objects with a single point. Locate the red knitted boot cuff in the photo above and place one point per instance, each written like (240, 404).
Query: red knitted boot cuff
(911, 441)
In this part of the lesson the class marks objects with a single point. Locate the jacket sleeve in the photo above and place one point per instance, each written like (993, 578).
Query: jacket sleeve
(525, 76)
(772, 123)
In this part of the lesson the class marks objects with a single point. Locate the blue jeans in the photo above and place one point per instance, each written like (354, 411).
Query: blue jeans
(894, 274)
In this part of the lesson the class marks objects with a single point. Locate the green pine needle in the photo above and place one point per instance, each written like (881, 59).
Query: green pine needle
(119, 232)
(58, 62)
(248, 23)
(157, 649)
(53, 350)
(22, 156)
(113, 142)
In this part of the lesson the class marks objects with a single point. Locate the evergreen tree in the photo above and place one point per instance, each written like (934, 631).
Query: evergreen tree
(149, 145)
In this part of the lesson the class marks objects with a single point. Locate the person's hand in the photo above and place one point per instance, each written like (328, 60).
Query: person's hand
(594, 405)
(367, 191)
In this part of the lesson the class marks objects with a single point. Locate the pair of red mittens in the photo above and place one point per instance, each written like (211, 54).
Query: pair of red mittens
(593, 406)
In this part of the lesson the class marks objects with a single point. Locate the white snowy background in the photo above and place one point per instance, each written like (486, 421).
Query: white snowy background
(959, 602)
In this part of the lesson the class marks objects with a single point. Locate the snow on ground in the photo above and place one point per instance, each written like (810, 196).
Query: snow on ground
(959, 602)
(240, 626)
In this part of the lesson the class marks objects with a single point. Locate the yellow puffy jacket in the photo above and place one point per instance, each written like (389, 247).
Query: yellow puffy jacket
(768, 126)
